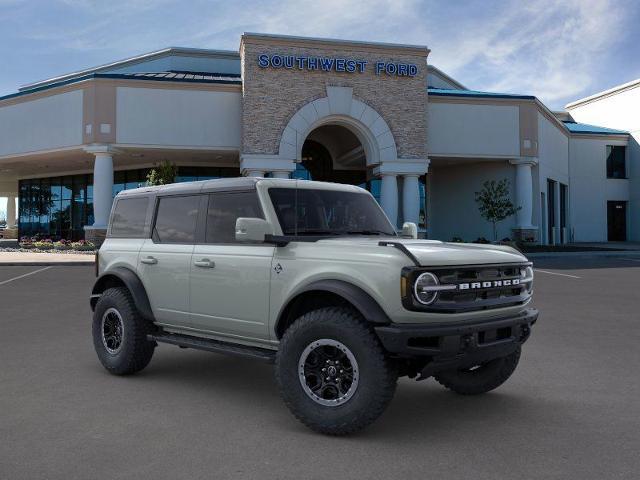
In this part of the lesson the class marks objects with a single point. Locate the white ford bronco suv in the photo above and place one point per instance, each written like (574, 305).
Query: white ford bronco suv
(313, 277)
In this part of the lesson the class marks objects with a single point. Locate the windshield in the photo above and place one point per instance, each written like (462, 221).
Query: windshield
(328, 212)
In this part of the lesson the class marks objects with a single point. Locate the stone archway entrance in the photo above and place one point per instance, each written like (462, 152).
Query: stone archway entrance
(332, 153)
(342, 139)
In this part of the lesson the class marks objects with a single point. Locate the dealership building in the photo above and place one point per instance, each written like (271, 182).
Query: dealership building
(370, 114)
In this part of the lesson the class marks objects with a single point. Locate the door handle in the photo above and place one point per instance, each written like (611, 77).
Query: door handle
(149, 260)
(204, 263)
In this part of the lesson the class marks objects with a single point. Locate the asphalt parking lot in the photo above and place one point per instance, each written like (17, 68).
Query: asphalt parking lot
(571, 410)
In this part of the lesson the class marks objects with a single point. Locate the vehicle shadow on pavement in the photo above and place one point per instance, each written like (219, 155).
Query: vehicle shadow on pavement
(423, 410)
(430, 411)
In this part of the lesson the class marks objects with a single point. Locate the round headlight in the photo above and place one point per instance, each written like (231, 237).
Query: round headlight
(422, 291)
(526, 277)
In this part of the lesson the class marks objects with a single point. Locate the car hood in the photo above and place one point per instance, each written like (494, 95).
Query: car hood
(435, 253)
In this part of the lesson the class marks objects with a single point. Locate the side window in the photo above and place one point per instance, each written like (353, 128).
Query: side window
(176, 219)
(128, 217)
(224, 210)
(616, 165)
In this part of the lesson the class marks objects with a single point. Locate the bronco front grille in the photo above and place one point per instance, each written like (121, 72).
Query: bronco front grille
(471, 287)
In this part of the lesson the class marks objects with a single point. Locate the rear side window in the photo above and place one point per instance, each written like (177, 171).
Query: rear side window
(176, 219)
(224, 209)
(129, 216)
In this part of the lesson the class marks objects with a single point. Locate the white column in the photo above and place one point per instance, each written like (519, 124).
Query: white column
(411, 199)
(389, 196)
(11, 212)
(102, 184)
(280, 174)
(255, 165)
(524, 193)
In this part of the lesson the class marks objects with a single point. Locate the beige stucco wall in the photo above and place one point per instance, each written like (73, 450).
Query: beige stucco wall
(54, 121)
(590, 189)
(467, 129)
(178, 117)
(451, 198)
(620, 111)
(271, 96)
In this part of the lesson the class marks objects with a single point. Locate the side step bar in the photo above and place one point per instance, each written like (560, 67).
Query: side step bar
(210, 345)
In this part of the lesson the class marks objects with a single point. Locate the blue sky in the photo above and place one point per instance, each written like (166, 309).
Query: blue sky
(556, 50)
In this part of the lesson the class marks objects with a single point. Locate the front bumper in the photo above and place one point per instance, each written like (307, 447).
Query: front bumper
(460, 345)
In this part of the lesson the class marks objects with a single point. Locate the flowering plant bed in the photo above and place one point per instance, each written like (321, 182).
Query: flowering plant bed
(41, 245)
(51, 251)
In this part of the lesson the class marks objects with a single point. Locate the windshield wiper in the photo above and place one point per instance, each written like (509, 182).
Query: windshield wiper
(311, 231)
(368, 232)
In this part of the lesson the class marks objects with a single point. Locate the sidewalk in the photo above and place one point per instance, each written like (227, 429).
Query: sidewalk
(37, 259)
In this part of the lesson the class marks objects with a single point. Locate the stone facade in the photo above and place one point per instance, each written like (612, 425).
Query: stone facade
(271, 96)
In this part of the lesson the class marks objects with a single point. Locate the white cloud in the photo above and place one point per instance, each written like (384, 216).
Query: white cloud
(546, 48)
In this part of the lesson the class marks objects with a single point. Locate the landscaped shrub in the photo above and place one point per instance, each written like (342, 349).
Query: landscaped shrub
(457, 240)
(26, 242)
(43, 244)
(481, 240)
(83, 245)
(62, 245)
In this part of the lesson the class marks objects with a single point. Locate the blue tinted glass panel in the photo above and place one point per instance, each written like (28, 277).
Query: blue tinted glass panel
(67, 188)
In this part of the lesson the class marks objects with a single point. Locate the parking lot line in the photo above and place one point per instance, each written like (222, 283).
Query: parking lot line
(555, 273)
(25, 275)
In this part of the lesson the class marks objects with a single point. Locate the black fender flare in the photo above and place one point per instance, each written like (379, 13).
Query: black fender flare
(361, 300)
(131, 281)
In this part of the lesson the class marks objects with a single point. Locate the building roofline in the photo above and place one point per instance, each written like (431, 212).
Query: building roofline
(588, 129)
(445, 92)
(598, 131)
(605, 93)
(115, 76)
(416, 49)
(133, 61)
(447, 77)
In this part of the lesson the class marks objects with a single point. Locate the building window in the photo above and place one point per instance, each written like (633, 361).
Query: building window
(616, 161)
(551, 210)
(60, 207)
(563, 212)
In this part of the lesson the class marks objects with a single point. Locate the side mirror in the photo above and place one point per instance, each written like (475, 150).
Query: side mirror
(252, 229)
(409, 230)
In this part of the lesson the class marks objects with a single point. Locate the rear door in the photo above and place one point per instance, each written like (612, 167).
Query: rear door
(165, 259)
(617, 221)
(230, 280)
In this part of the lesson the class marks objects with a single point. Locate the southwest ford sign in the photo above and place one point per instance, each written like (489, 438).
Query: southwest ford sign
(334, 64)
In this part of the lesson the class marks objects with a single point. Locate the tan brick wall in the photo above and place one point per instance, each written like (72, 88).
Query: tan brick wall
(271, 96)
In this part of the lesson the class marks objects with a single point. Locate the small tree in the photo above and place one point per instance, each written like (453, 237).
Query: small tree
(494, 203)
(162, 174)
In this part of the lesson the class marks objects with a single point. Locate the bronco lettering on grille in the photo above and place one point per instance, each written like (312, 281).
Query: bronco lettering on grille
(509, 282)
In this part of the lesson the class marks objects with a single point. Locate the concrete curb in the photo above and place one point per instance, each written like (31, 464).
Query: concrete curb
(609, 253)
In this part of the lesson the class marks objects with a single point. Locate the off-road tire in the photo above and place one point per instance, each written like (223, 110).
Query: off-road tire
(377, 374)
(136, 351)
(483, 379)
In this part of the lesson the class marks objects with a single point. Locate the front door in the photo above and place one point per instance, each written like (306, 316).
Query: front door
(230, 280)
(617, 221)
(164, 262)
